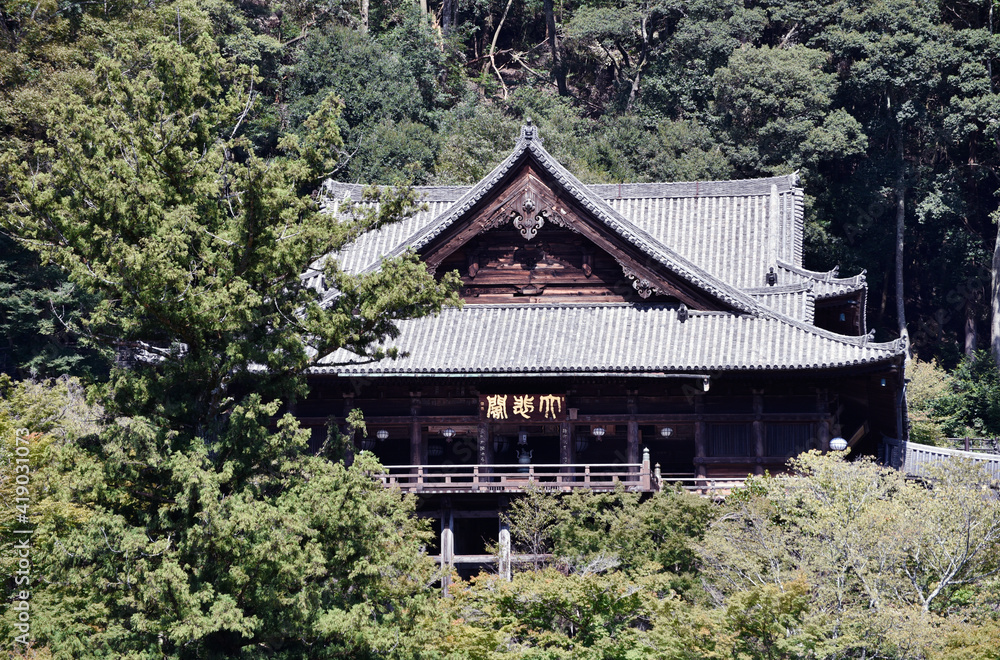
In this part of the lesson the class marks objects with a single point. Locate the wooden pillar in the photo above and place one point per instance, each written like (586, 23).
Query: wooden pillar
(823, 427)
(418, 448)
(633, 429)
(700, 439)
(565, 450)
(484, 450)
(758, 431)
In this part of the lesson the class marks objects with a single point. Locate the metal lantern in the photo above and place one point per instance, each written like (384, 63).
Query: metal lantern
(581, 443)
(435, 450)
(367, 444)
(500, 443)
(598, 432)
(838, 444)
(448, 433)
(666, 432)
(382, 434)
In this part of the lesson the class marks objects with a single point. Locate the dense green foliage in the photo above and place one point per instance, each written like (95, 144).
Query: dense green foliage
(963, 403)
(841, 560)
(872, 102)
(157, 168)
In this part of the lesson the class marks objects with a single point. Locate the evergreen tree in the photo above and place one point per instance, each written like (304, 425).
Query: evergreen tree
(215, 531)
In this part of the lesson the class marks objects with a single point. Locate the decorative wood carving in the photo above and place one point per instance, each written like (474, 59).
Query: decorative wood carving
(528, 228)
(528, 204)
(558, 220)
(499, 216)
(529, 201)
(643, 287)
(535, 207)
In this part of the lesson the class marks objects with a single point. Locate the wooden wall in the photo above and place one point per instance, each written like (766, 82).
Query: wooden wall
(558, 265)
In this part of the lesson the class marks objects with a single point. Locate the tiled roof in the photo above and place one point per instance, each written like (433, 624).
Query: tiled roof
(369, 249)
(607, 339)
(795, 300)
(733, 230)
(721, 236)
(825, 285)
(529, 146)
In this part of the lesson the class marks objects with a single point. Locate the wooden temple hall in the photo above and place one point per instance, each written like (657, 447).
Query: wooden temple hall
(635, 334)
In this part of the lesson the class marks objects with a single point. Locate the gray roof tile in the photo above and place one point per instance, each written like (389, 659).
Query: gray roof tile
(605, 339)
(795, 300)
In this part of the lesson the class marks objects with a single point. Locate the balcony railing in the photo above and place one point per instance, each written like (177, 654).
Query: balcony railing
(919, 458)
(514, 478)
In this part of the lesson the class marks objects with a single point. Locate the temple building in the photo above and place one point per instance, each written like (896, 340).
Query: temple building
(640, 334)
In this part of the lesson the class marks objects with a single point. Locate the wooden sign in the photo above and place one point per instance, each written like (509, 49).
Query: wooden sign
(522, 407)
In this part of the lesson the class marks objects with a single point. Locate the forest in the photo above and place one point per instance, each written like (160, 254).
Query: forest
(159, 169)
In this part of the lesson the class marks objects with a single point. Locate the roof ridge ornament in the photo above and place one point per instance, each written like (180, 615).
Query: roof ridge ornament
(529, 131)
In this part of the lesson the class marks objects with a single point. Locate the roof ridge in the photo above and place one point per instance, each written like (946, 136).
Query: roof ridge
(792, 180)
(563, 304)
(427, 193)
(785, 184)
(825, 276)
(863, 341)
(794, 287)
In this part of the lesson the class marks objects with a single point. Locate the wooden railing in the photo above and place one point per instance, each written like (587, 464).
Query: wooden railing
(513, 478)
(978, 445)
(919, 458)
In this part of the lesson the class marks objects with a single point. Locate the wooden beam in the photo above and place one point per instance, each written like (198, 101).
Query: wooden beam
(740, 460)
(860, 433)
(459, 513)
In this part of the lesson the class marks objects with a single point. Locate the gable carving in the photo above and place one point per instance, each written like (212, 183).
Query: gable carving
(528, 209)
(528, 228)
(642, 286)
(522, 211)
